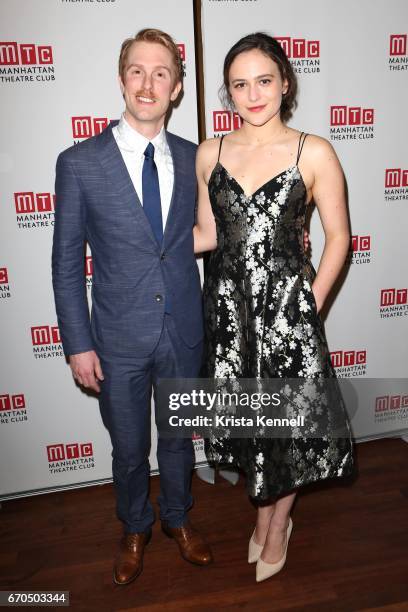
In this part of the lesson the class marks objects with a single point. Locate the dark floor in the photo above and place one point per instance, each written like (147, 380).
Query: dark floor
(348, 550)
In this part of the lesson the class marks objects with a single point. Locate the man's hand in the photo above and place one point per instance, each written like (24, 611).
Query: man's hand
(306, 240)
(86, 369)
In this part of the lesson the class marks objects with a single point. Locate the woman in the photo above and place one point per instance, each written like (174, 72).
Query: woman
(262, 295)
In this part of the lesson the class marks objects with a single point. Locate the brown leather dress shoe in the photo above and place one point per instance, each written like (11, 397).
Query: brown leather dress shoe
(129, 562)
(193, 547)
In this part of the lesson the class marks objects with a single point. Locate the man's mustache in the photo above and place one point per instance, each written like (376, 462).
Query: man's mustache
(146, 94)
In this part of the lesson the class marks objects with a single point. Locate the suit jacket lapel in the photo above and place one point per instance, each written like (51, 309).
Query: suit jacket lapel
(179, 165)
(112, 162)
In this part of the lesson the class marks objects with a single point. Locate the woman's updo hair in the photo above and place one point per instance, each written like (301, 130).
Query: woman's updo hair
(272, 49)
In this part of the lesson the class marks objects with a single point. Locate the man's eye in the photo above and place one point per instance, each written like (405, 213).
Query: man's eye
(265, 81)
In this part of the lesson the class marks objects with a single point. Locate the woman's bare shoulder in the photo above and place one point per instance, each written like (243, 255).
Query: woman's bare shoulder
(209, 146)
(207, 152)
(318, 146)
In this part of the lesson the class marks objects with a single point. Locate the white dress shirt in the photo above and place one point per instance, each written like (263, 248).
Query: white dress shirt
(132, 146)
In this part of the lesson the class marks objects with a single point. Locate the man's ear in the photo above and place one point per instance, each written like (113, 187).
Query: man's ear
(176, 91)
(122, 87)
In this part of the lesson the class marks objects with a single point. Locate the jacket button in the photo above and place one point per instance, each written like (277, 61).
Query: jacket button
(158, 298)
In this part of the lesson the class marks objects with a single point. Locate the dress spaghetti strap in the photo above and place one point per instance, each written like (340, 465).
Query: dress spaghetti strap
(219, 150)
(300, 147)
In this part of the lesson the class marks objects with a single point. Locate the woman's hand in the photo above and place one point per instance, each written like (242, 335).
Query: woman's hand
(318, 299)
(306, 240)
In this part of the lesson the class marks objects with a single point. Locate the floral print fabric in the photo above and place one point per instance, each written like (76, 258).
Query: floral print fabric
(261, 322)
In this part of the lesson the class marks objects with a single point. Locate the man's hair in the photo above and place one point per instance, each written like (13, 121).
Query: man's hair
(152, 35)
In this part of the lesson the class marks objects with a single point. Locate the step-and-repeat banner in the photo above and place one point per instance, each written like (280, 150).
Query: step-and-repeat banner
(58, 81)
(351, 60)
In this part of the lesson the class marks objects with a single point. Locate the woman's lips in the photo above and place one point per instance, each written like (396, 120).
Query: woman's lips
(256, 109)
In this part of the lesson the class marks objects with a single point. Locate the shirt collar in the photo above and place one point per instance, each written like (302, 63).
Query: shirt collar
(132, 140)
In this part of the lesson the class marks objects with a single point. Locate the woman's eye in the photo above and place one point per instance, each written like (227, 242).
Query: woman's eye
(239, 85)
(265, 81)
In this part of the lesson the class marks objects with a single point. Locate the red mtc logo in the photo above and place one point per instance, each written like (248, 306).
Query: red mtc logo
(30, 202)
(12, 402)
(88, 265)
(12, 54)
(398, 44)
(3, 276)
(396, 177)
(360, 243)
(390, 402)
(299, 47)
(182, 51)
(45, 334)
(59, 452)
(348, 358)
(225, 121)
(351, 115)
(86, 126)
(391, 297)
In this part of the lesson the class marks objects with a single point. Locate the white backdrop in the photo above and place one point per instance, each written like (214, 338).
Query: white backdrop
(58, 61)
(51, 434)
(351, 55)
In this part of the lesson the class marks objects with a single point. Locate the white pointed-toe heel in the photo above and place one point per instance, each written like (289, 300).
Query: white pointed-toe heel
(254, 550)
(266, 570)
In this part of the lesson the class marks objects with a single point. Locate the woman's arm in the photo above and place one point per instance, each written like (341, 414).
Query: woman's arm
(329, 195)
(205, 234)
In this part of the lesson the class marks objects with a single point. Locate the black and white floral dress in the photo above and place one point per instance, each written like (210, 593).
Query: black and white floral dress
(261, 322)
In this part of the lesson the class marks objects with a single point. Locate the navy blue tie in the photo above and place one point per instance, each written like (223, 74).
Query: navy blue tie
(151, 194)
(151, 201)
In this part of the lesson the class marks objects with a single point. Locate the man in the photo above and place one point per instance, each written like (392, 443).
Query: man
(130, 193)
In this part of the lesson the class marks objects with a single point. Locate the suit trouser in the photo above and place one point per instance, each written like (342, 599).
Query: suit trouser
(125, 409)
